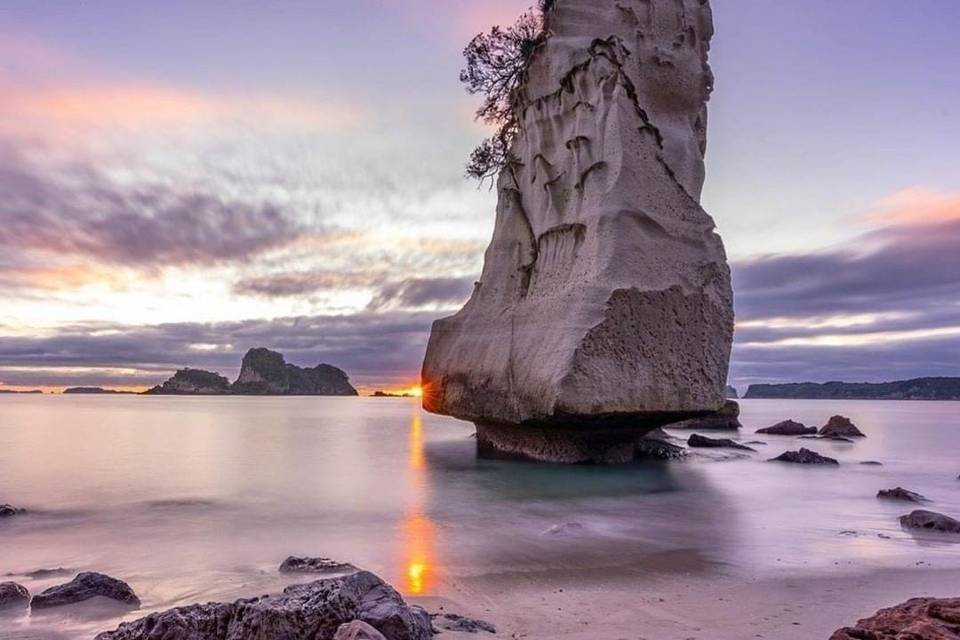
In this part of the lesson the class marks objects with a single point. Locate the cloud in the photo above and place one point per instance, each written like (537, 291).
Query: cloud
(885, 306)
(415, 293)
(380, 348)
(76, 210)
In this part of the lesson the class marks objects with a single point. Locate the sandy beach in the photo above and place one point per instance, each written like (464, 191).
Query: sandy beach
(694, 604)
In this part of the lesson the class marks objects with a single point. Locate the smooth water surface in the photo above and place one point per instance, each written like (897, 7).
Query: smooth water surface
(200, 498)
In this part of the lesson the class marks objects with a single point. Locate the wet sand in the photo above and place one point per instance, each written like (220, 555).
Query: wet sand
(695, 605)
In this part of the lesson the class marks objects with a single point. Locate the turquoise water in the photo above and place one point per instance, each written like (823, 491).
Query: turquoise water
(195, 499)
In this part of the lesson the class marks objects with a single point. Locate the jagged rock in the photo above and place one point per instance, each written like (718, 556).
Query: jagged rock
(930, 521)
(85, 586)
(8, 510)
(193, 382)
(804, 456)
(656, 445)
(788, 428)
(839, 426)
(313, 610)
(899, 493)
(265, 372)
(604, 307)
(696, 440)
(357, 630)
(13, 595)
(726, 419)
(454, 622)
(916, 619)
(294, 564)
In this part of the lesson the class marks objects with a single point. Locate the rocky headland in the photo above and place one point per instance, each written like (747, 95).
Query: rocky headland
(604, 308)
(264, 373)
(941, 388)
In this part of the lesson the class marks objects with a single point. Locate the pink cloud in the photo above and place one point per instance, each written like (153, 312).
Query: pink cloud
(917, 206)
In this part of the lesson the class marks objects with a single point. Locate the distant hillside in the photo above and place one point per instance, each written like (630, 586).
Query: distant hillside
(93, 391)
(916, 389)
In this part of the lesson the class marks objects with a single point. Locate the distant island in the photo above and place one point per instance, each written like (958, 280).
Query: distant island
(262, 373)
(915, 389)
(94, 391)
(387, 394)
(13, 391)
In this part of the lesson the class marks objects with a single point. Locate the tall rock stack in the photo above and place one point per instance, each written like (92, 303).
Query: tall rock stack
(604, 308)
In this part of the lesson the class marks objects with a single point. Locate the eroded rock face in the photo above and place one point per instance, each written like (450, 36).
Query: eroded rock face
(193, 382)
(916, 619)
(726, 419)
(266, 372)
(313, 610)
(840, 427)
(604, 302)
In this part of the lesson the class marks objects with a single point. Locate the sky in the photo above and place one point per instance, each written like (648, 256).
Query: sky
(181, 181)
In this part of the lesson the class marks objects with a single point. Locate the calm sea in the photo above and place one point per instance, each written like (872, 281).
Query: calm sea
(196, 499)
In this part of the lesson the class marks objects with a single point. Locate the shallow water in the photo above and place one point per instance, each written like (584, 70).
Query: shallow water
(195, 499)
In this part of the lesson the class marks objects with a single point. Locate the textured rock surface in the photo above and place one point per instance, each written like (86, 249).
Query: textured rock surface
(293, 564)
(930, 521)
(605, 300)
(85, 586)
(788, 428)
(696, 440)
(899, 493)
(840, 427)
(804, 456)
(357, 630)
(310, 611)
(916, 619)
(728, 418)
(13, 595)
(265, 372)
(193, 382)
(463, 624)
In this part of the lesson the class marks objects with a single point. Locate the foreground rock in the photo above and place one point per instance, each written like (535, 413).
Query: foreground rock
(728, 418)
(840, 427)
(85, 586)
(265, 372)
(309, 611)
(454, 622)
(13, 596)
(696, 440)
(899, 493)
(193, 382)
(294, 564)
(804, 456)
(788, 428)
(357, 630)
(8, 510)
(916, 619)
(930, 521)
(656, 445)
(604, 308)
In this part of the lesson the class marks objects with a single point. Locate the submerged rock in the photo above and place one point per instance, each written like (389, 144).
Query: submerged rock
(839, 426)
(728, 418)
(8, 510)
(13, 595)
(899, 493)
(696, 440)
(357, 630)
(313, 610)
(656, 445)
(788, 428)
(265, 372)
(565, 529)
(804, 456)
(833, 438)
(930, 521)
(85, 586)
(916, 619)
(454, 622)
(604, 308)
(294, 564)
